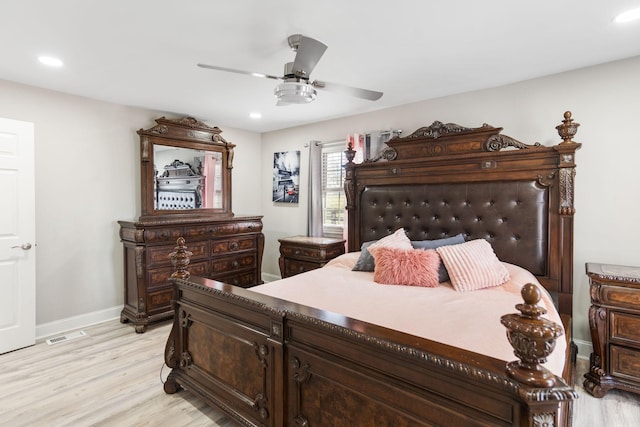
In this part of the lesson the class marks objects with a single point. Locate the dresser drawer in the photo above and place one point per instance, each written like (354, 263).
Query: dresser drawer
(244, 280)
(625, 362)
(208, 231)
(233, 245)
(159, 255)
(230, 264)
(625, 329)
(620, 297)
(159, 277)
(249, 226)
(168, 234)
(159, 301)
(293, 267)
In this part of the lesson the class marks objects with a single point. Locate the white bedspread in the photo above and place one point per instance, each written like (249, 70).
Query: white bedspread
(468, 320)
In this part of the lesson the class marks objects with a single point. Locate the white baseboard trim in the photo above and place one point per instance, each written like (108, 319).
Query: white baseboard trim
(270, 277)
(64, 325)
(584, 348)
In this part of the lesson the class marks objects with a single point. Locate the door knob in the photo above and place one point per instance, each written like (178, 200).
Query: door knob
(24, 246)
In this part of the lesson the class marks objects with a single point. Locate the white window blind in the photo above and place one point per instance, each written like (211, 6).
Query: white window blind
(333, 197)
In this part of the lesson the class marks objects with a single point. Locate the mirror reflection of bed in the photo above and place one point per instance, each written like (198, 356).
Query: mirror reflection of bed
(186, 178)
(397, 352)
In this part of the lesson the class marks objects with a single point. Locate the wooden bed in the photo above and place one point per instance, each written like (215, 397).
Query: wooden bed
(267, 361)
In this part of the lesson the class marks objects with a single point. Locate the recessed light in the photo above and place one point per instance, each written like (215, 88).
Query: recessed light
(255, 115)
(50, 61)
(628, 16)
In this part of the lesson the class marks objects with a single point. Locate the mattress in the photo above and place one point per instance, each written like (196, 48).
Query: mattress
(467, 320)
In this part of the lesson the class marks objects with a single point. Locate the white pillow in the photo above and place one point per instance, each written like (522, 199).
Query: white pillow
(473, 265)
(397, 240)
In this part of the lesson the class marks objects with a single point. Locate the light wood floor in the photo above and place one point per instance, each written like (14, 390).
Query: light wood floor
(113, 377)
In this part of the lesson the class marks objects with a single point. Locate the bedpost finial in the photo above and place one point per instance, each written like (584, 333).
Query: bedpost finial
(350, 152)
(533, 338)
(180, 259)
(567, 130)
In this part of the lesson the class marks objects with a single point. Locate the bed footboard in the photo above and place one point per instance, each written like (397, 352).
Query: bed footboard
(228, 351)
(267, 362)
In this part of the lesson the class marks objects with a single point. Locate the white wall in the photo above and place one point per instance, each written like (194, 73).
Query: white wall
(87, 178)
(605, 99)
(87, 173)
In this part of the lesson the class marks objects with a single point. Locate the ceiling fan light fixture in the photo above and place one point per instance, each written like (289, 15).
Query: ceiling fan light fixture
(295, 93)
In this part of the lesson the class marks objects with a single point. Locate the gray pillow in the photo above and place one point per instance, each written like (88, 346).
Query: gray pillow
(365, 261)
(443, 274)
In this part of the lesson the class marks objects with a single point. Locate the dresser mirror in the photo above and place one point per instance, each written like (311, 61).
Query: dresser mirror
(186, 178)
(186, 170)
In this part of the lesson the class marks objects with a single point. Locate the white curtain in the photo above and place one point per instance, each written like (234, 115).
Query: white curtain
(314, 223)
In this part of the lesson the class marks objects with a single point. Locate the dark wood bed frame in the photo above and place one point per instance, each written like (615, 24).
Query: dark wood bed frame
(270, 362)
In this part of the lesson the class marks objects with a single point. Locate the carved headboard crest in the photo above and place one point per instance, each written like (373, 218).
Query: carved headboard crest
(441, 139)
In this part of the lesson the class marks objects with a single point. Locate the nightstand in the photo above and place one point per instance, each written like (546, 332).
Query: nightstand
(614, 320)
(301, 253)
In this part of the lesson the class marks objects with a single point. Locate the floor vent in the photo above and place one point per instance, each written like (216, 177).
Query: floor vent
(66, 337)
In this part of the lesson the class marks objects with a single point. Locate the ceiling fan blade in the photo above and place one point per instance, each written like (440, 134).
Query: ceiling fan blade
(309, 53)
(233, 70)
(370, 95)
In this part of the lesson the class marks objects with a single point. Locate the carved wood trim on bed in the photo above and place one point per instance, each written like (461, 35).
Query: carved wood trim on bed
(446, 179)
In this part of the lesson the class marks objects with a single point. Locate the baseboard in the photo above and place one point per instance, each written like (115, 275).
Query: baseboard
(584, 348)
(266, 277)
(76, 322)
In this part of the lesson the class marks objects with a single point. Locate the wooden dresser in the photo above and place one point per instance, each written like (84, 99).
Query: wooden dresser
(614, 320)
(301, 253)
(185, 188)
(228, 250)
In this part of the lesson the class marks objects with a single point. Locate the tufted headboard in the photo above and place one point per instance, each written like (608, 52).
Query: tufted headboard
(446, 179)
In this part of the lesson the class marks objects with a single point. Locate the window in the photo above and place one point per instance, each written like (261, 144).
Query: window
(333, 197)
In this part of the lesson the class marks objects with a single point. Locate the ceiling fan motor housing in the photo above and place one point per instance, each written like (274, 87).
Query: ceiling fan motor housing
(293, 92)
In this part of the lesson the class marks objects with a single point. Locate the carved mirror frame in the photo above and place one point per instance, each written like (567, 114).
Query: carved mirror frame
(187, 133)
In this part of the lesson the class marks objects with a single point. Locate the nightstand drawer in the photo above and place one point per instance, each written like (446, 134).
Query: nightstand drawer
(293, 267)
(620, 297)
(625, 362)
(614, 321)
(311, 254)
(625, 329)
(301, 253)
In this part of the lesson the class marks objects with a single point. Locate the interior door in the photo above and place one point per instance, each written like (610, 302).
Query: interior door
(17, 236)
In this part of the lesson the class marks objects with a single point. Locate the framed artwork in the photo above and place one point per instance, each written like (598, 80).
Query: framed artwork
(286, 176)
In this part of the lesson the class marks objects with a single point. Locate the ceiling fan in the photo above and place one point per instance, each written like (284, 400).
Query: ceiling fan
(297, 87)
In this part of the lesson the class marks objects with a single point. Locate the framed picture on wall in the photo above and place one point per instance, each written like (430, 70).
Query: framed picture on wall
(286, 176)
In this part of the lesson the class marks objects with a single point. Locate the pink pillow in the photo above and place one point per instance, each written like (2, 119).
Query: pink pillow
(473, 265)
(397, 240)
(411, 267)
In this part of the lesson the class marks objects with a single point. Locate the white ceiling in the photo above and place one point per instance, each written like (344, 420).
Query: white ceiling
(144, 52)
